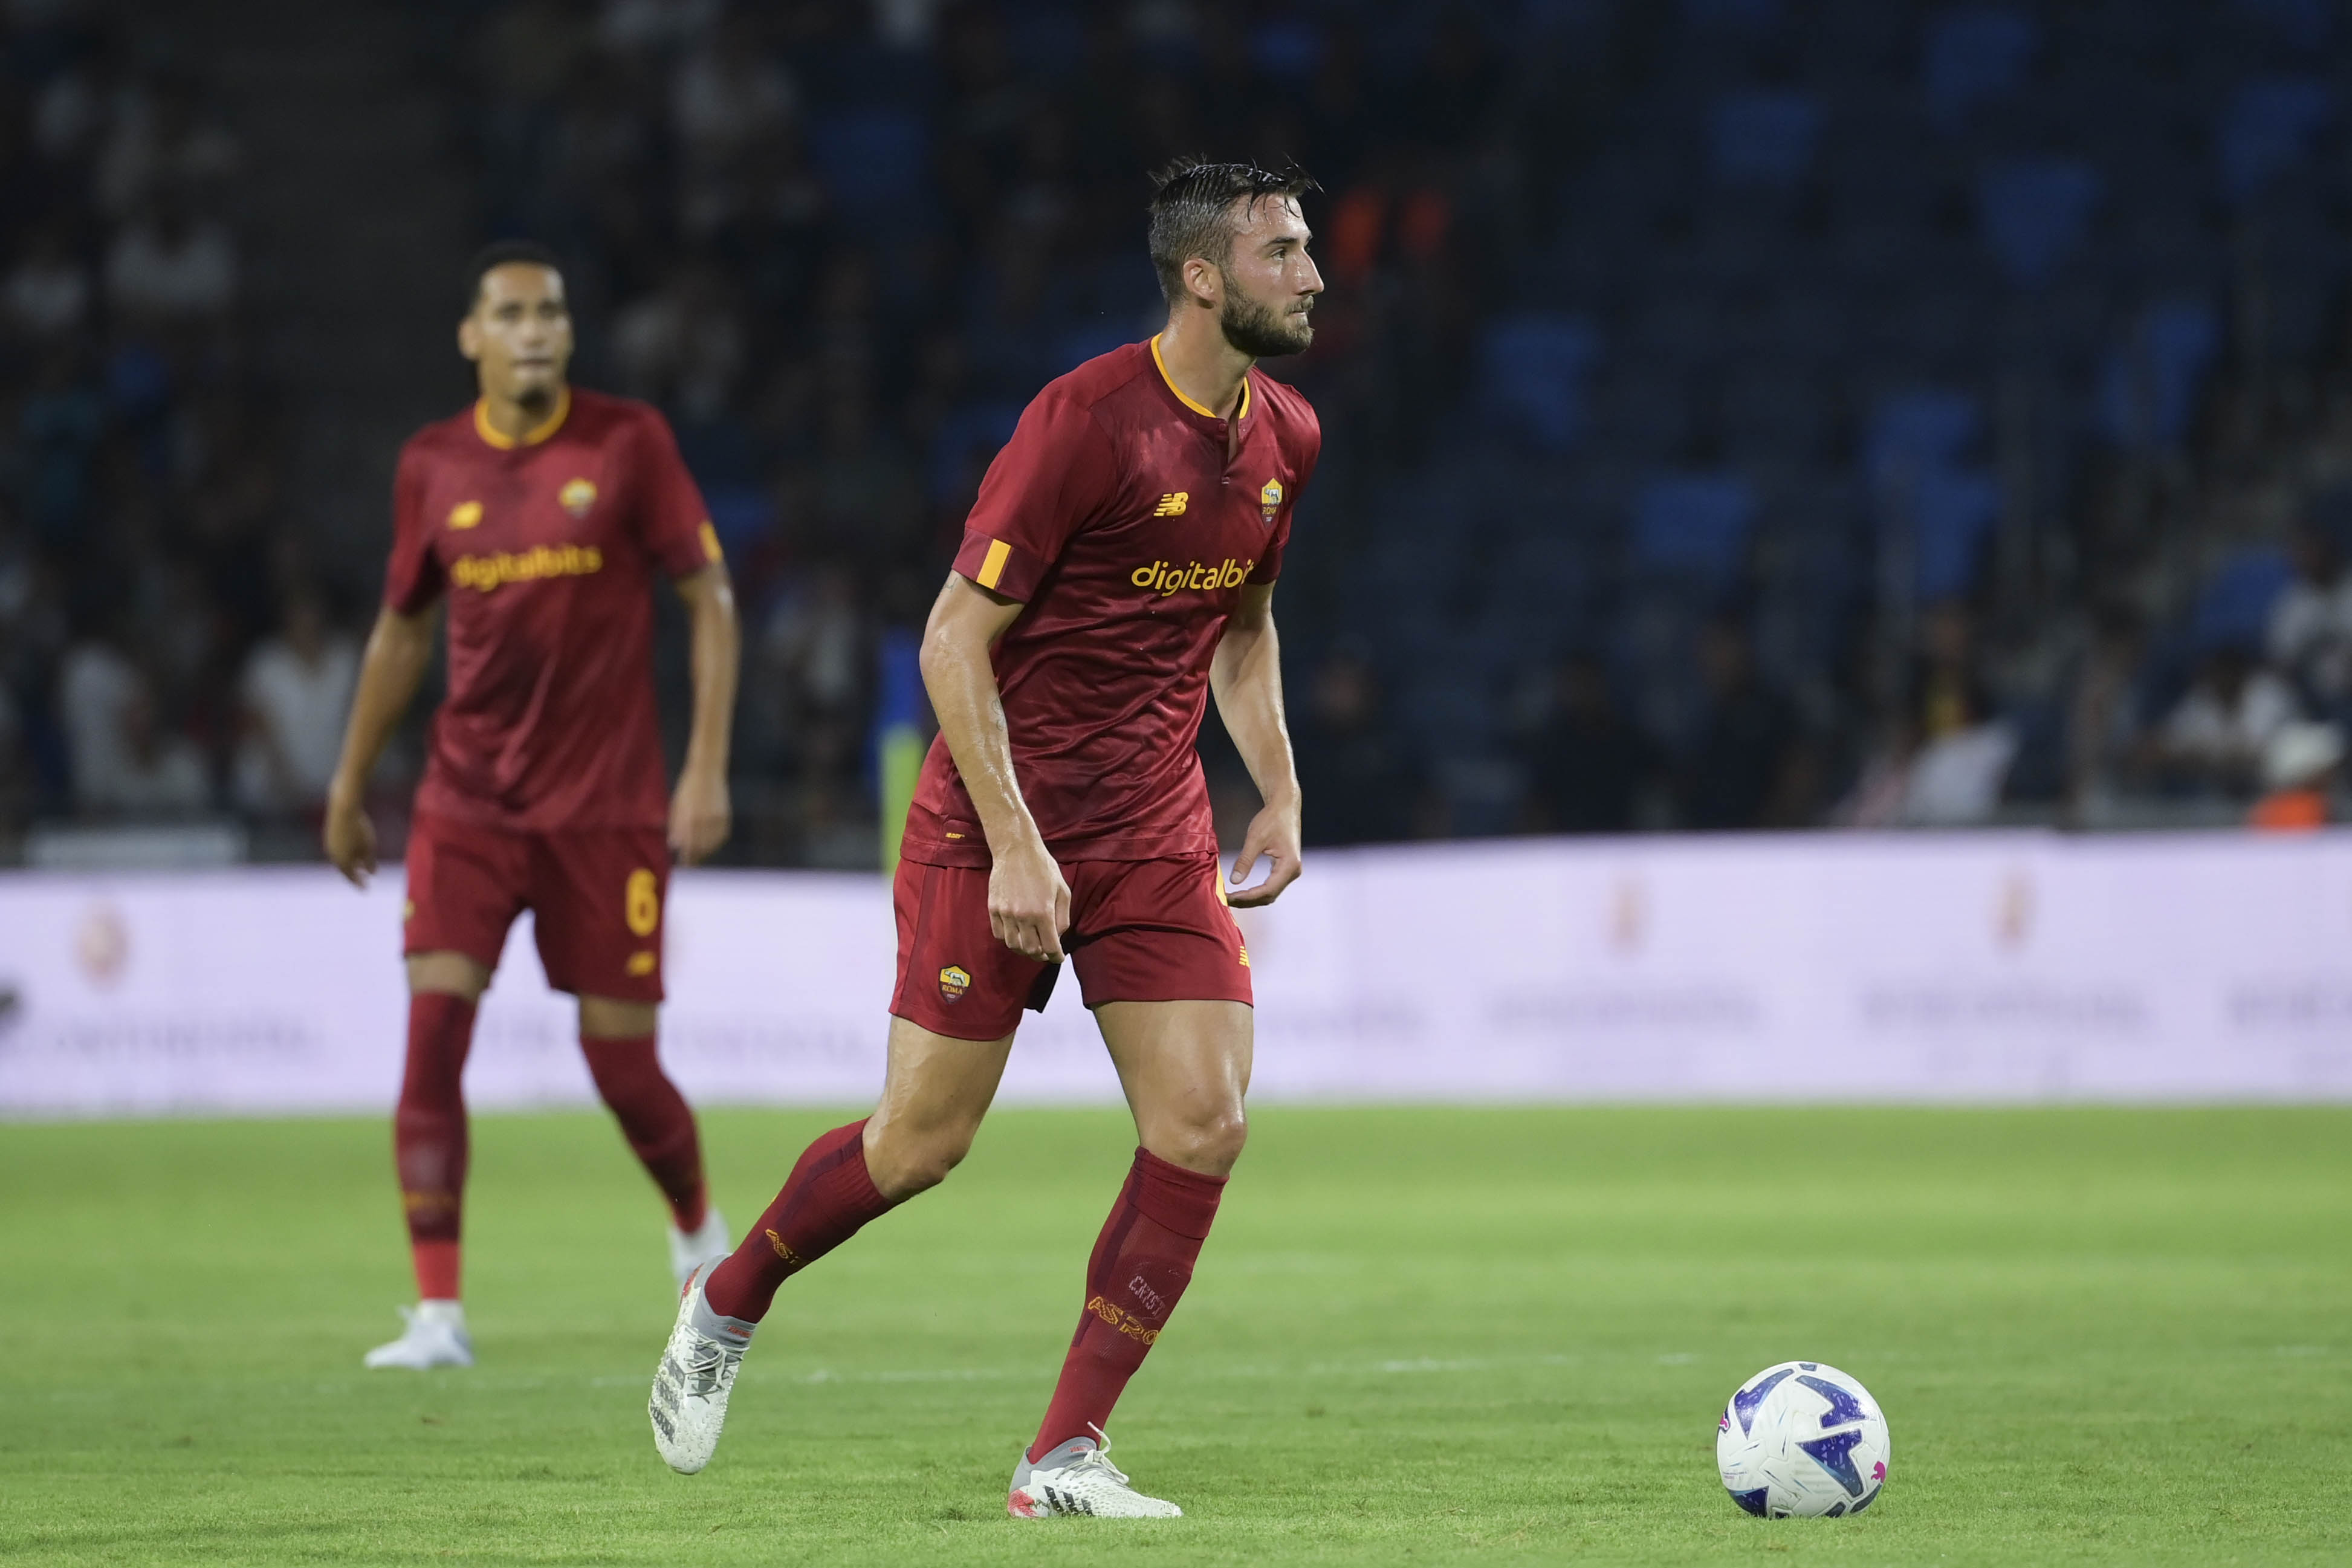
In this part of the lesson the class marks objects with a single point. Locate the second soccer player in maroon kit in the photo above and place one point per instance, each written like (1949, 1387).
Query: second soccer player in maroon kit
(544, 516)
(1117, 569)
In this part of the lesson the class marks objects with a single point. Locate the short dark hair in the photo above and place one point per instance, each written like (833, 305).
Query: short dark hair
(1191, 210)
(505, 253)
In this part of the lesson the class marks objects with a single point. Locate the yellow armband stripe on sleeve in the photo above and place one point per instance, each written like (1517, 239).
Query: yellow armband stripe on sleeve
(992, 565)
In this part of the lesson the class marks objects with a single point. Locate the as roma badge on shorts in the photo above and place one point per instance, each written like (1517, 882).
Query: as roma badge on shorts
(576, 497)
(954, 980)
(1269, 501)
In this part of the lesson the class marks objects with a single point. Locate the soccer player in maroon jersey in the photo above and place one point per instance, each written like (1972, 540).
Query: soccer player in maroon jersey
(1118, 568)
(542, 514)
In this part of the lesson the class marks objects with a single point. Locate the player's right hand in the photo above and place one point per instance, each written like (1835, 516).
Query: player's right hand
(350, 838)
(1028, 902)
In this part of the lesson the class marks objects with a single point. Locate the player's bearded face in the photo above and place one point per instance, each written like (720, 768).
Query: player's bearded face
(1262, 330)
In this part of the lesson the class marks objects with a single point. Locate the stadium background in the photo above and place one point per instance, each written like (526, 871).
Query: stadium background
(1739, 414)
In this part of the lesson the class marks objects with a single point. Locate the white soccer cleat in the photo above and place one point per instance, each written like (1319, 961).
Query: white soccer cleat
(707, 1244)
(1078, 1477)
(696, 1374)
(436, 1336)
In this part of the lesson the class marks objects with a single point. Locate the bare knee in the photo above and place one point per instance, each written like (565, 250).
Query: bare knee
(608, 1018)
(447, 974)
(904, 1158)
(1209, 1142)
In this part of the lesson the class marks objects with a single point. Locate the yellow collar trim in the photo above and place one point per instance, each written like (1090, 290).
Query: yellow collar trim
(1205, 413)
(493, 436)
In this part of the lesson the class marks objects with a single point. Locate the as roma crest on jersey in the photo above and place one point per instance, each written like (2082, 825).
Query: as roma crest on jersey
(954, 980)
(1269, 501)
(576, 497)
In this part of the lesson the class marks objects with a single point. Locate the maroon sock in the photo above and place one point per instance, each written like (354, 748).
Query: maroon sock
(825, 1199)
(654, 1118)
(1142, 1262)
(428, 1137)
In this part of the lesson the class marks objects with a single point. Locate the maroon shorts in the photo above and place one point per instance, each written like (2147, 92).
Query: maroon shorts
(595, 895)
(1140, 931)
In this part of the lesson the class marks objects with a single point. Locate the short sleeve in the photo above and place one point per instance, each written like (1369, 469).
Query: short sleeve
(669, 518)
(1310, 452)
(413, 579)
(1056, 475)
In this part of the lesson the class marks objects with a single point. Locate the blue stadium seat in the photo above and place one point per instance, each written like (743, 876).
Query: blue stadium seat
(1912, 457)
(1536, 367)
(2148, 388)
(974, 430)
(2035, 212)
(1079, 344)
(1920, 430)
(1952, 512)
(740, 514)
(870, 158)
(1693, 526)
(2234, 610)
(1287, 48)
(1765, 137)
(2268, 127)
(1976, 54)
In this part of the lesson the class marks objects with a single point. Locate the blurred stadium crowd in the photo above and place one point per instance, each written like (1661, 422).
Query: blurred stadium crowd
(160, 653)
(1739, 412)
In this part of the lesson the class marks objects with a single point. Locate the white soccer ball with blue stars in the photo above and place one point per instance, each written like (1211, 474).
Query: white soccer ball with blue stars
(1803, 1440)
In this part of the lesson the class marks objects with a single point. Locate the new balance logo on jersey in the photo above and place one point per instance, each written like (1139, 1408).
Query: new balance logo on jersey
(1173, 504)
(1166, 577)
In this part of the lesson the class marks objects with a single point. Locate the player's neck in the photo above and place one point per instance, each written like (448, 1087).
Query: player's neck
(517, 419)
(1201, 365)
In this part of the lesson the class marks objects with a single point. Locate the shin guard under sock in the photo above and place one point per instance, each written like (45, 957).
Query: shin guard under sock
(1141, 1263)
(655, 1119)
(827, 1198)
(428, 1137)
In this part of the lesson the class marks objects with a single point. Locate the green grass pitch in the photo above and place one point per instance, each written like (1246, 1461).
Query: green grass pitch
(1418, 1336)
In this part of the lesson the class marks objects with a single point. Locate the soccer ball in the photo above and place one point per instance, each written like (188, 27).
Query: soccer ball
(1802, 1438)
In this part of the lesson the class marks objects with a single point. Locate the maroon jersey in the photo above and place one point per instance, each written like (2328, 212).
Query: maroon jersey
(547, 547)
(1115, 516)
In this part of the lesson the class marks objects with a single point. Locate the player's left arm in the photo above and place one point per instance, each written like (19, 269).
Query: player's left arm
(700, 812)
(1245, 674)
